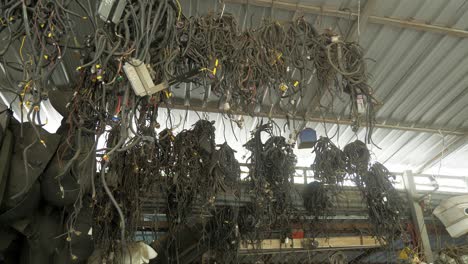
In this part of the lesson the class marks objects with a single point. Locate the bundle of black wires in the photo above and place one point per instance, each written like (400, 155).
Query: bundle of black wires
(278, 57)
(280, 162)
(317, 200)
(385, 206)
(329, 166)
(332, 166)
(223, 234)
(225, 165)
(357, 158)
(197, 172)
(272, 167)
(133, 176)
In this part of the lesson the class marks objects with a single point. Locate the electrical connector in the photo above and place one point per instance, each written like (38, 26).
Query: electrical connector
(283, 87)
(108, 8)
(140, 78)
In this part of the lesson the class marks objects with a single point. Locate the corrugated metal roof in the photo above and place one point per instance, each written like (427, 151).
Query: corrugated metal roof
(420, 76)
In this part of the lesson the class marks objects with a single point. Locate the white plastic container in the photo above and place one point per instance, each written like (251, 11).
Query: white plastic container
(453, 213)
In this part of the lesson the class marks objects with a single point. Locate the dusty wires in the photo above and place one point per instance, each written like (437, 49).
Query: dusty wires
(329, 166)
(272, 166)
(385, 206)
(317, 201)
(357, 158)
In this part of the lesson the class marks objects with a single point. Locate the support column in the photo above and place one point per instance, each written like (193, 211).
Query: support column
(417, 215)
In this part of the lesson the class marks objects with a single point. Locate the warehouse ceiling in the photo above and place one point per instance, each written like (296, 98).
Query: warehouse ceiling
(416, 55)
(415, 52)
(419, 72)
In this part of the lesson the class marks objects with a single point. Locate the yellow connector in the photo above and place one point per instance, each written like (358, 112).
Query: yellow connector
(283, 87)
(279, 55)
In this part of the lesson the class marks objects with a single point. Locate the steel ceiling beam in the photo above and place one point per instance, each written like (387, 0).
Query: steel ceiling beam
(325, 11)
(343, 121)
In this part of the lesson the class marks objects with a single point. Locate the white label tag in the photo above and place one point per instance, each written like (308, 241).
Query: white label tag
(361, 104)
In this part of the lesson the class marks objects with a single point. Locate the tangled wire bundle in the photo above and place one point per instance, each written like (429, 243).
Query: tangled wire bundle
(281, 57)
(223, 237)
(317, 200)
(384, 204)
(332, 165)
(187, 181)
(357, 158)
(280, 162)
(166, 149)
(133, 177)
(273, 165)
(224, 165)
(239, 66)
(199, 171)
(256, 217)
(329, 165)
